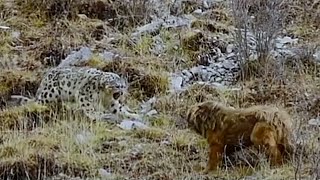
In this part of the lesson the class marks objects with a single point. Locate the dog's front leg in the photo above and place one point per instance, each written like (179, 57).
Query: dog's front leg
(215, 154)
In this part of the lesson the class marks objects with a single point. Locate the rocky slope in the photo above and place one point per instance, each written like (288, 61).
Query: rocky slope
(173, 54)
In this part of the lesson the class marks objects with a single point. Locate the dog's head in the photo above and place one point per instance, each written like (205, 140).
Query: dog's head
(202, 116)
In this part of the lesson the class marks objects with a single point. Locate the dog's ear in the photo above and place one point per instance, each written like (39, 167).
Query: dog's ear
(189, 115)
(204, 111)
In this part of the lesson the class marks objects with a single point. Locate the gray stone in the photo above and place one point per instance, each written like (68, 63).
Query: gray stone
(160, 9)
(129, 125)
(314, 122)
(176, 82)
(152, 113)
(219, 79)
(16, 34)
(158, 46)
(197, 11)
(148, 28)
(210, 3)
(175, 22)
(316, 56)
(147, 106)
(83, 137)
(282, 41)
(77, 57)
(221, 70)
(104, 173)
(108, 56)
(137, 150)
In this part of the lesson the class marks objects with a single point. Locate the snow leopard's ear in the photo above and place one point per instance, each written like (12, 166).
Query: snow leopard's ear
(112, 80)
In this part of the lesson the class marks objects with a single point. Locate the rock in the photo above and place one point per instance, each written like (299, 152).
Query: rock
(230, 48)
(16, 34)
(147, 106)
(129, 125)
(165, 142)
(228, 65)
(104, 173)
(281, 42)
(77, 57)
(314, 122)
(210, 3)
(222, 73)
(108, 56)
(137, 150)
(158, 46)
(123, 143)
(83, 137)
(198, 11)
(19, 99)
(152, 112)
(152, 27)
(175, 22)
(316, 56)
(218, 79)
(160, 9)
(176, 83)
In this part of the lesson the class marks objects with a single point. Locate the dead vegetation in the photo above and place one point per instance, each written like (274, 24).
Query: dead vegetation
(144, 82)
(37, 142)
(18, 83)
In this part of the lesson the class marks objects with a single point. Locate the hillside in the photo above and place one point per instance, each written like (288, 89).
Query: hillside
(173, 54)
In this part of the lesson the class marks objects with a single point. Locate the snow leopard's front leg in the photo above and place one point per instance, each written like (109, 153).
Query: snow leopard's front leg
(118, 87)
(89, 103)
(118, 107)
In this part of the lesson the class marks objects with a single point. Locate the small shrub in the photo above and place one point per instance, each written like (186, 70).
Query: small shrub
(266, 24)
(130, 14)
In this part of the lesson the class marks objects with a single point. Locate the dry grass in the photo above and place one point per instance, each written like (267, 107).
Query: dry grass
(18, 83)
(38, 142)
(56, 147)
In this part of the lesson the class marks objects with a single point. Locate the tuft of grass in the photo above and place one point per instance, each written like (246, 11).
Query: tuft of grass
(144, 82)
(192, 40)
(153, 134)
(211, 26)
(22, 117)
(150, 85)
(5, 42)
(162, 121)
(143, 45)
(95, 61)
(18, 82)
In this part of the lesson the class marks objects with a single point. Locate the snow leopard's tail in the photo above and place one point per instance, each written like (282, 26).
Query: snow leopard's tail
(21, 100)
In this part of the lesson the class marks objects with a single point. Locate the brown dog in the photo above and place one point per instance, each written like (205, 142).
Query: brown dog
(226, 127)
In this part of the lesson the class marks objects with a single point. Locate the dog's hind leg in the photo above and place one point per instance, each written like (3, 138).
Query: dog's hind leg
(264, 136)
